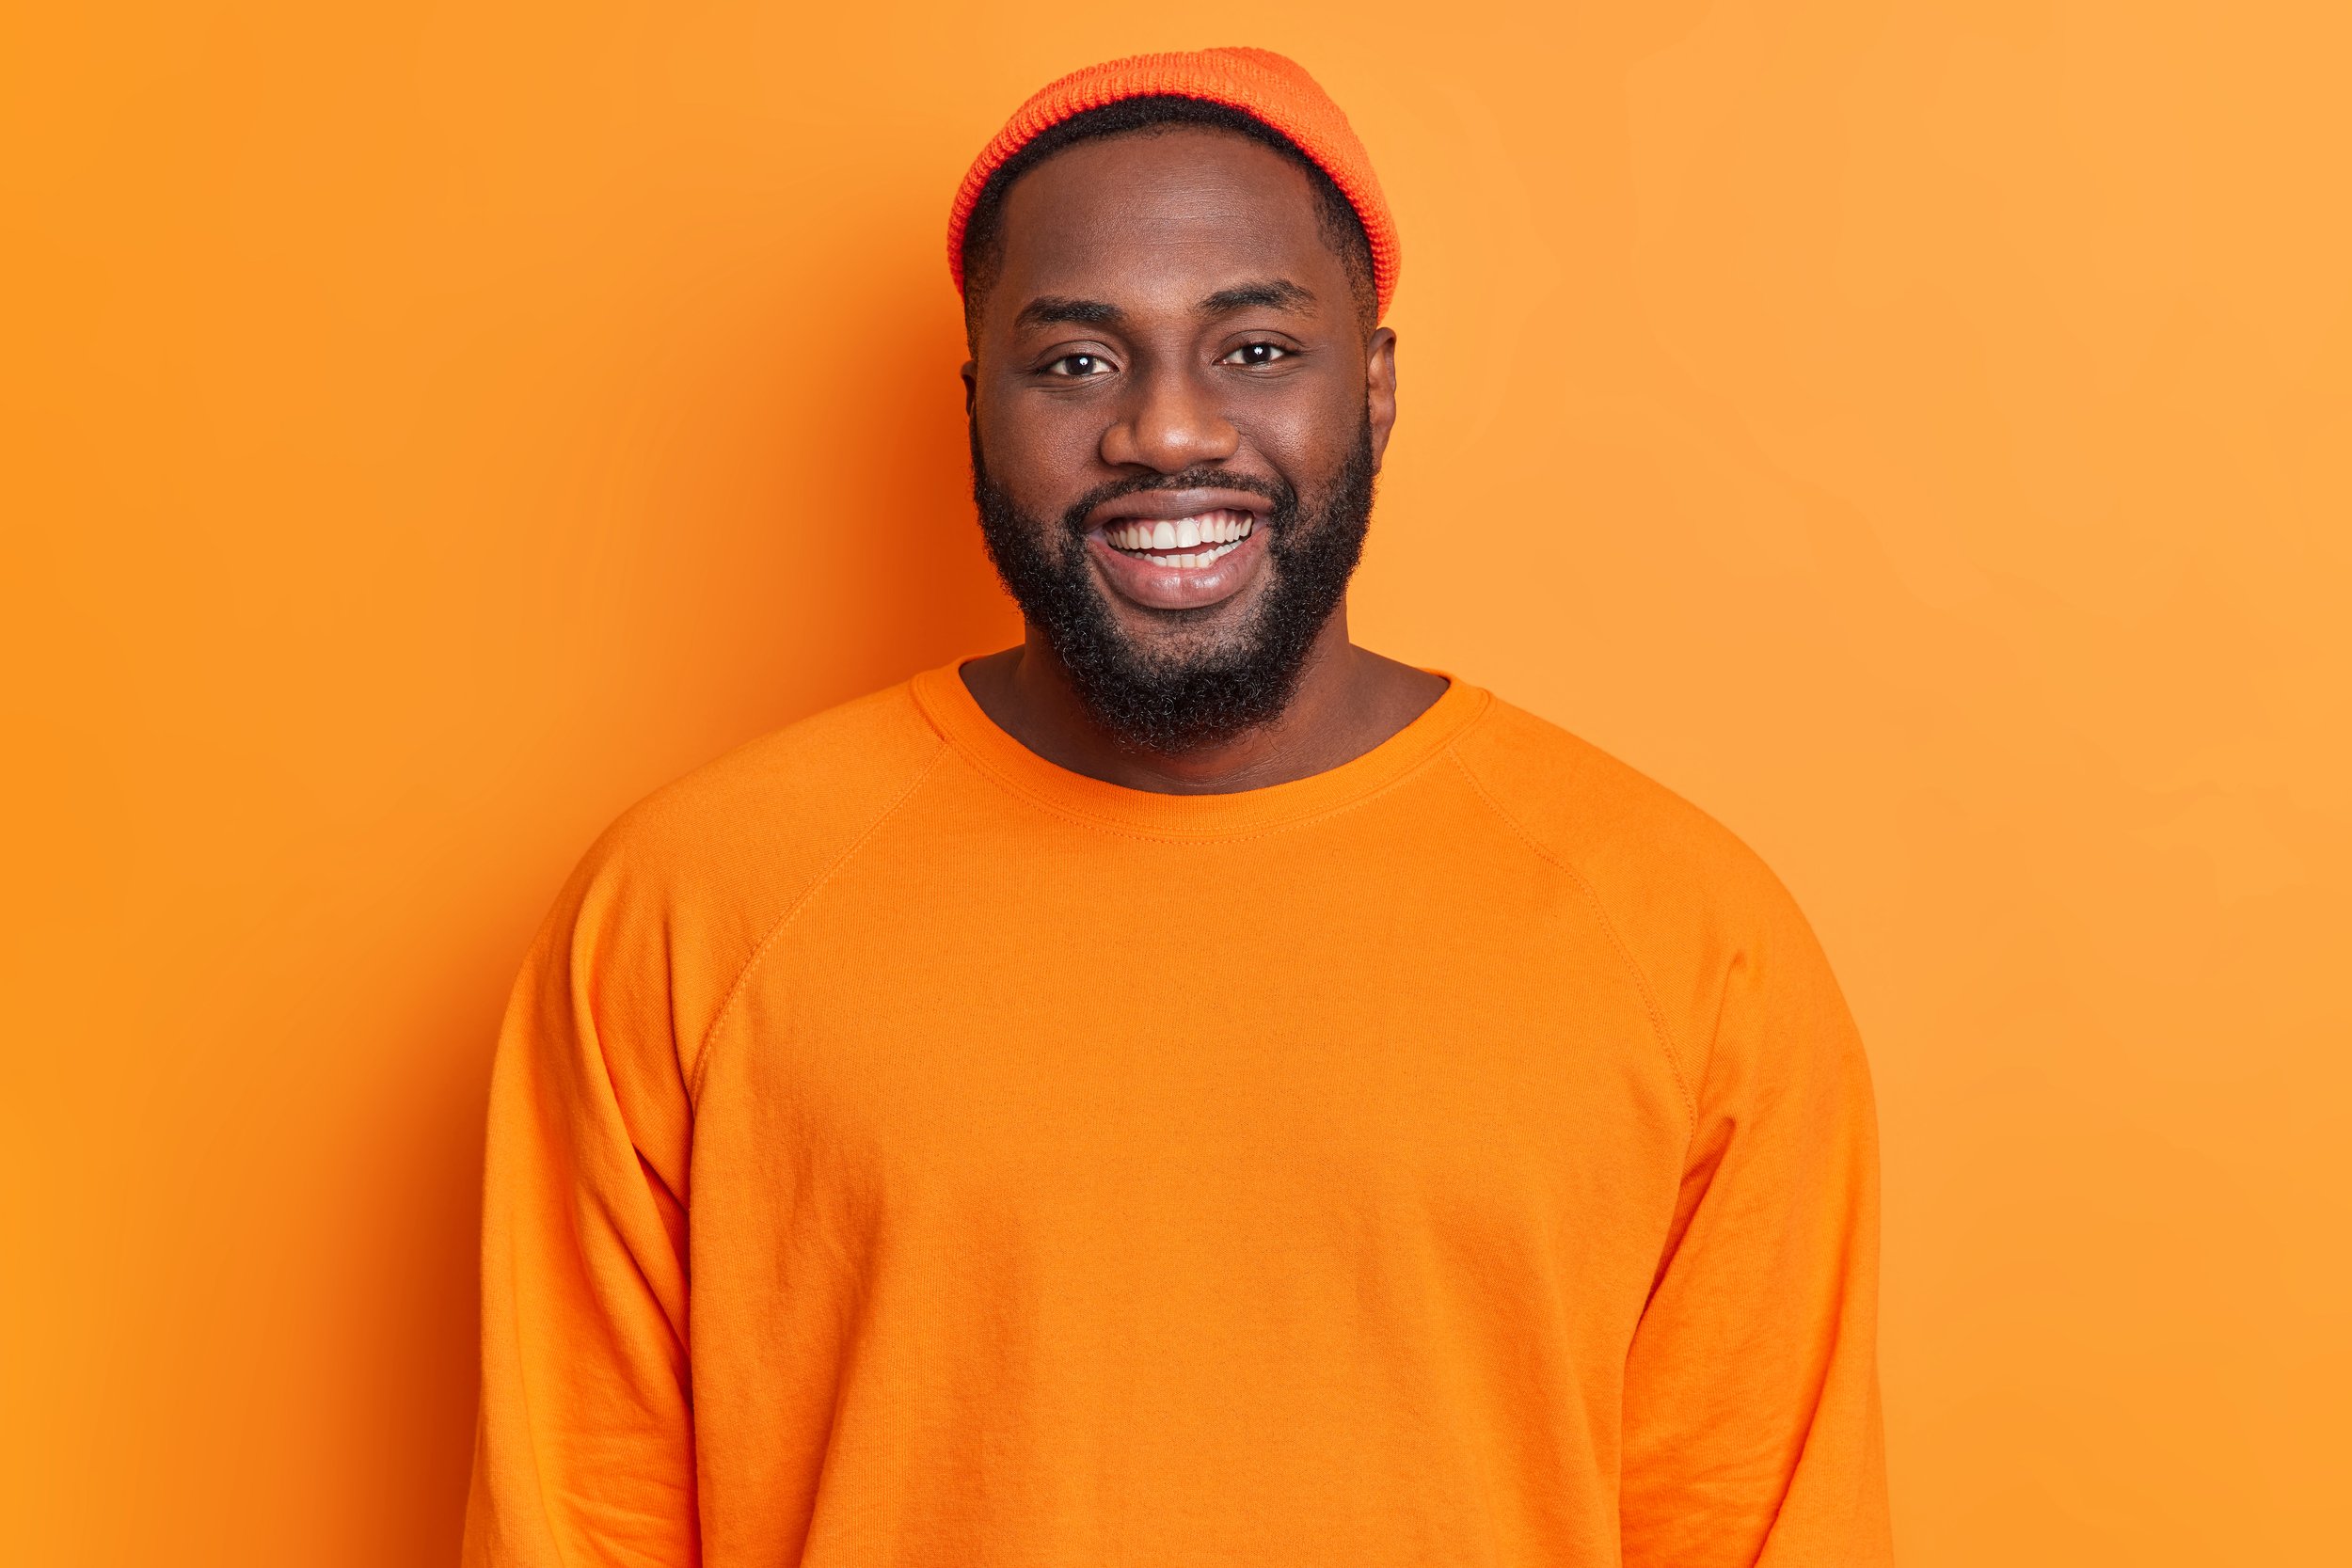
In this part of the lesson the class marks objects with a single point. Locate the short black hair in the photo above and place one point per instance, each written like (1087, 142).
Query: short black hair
(1335, 215)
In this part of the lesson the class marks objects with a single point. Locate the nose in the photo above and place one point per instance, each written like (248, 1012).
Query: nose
(1169, 422)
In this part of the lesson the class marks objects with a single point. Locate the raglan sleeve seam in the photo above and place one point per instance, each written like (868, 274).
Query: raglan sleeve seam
(1643, 987)
(696, 1065)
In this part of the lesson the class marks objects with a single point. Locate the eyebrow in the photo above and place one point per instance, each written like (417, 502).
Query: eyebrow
(1278, 291)
(1048, 309)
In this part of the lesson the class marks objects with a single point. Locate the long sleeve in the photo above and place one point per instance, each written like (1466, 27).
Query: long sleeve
(584, 1451)
(1752, 1419)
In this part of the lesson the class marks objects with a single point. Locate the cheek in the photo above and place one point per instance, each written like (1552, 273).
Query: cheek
(1307, 436)
(1035, 452)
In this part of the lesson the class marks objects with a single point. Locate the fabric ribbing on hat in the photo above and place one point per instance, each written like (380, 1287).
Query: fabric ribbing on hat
(1270, 88)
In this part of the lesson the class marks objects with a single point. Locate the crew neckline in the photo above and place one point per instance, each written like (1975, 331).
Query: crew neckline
(966, 726)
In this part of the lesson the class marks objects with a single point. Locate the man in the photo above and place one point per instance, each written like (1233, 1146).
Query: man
(1185, 1089)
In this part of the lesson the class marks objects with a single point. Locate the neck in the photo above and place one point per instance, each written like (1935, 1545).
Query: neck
(1348, 700)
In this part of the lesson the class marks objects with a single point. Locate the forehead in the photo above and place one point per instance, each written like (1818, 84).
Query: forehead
(1174, 214)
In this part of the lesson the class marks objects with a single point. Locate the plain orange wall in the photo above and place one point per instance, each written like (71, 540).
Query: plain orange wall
(1919, 432)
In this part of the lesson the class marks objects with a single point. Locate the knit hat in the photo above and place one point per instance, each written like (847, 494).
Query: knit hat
(1267, 87)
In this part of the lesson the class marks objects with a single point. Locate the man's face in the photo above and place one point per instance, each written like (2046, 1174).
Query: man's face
(1176, 418)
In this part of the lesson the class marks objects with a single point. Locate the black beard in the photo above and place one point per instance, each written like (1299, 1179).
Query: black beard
(1174, 704)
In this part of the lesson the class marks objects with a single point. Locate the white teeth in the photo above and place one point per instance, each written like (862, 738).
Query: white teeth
(1173, 543)
(1193, 558)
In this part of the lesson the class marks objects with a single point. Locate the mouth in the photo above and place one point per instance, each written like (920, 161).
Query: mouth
(1186, 543)
(1192, 562)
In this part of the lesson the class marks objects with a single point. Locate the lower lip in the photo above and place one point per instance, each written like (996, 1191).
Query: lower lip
(1180, 587)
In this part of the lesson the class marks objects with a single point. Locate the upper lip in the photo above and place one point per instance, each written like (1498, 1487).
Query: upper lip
(1168, 505)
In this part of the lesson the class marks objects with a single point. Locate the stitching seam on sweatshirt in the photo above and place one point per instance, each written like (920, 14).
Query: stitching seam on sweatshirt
(696, 1069)
(1182, 839)
(1600, 911)
(979, 762)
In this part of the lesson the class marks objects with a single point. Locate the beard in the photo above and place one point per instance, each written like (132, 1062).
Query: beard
(1204, 690)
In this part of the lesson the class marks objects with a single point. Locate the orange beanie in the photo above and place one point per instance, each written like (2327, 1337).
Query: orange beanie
(1265, 86)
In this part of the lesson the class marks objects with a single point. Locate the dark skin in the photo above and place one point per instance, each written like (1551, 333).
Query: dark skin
(1167, 302)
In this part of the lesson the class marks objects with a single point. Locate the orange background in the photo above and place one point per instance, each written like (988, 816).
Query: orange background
(1919, 432)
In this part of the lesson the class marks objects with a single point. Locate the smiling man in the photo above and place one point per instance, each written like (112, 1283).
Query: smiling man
(1185, 1089)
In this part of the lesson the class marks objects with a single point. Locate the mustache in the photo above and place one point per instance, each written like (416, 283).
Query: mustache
(1283, 495)
(1200, 476)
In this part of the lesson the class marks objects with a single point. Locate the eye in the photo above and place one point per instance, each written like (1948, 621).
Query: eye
(1256, 354)
(1074, 367)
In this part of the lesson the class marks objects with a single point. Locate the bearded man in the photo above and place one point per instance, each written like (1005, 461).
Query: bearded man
(1186, 1089)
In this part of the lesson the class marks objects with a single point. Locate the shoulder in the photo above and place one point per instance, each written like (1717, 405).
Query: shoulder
(774, 805)
(1703, 921)
(676, 896)
(1608, 822)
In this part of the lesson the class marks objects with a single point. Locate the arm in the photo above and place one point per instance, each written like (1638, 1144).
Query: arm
(584, 1451)
(1752, 1425)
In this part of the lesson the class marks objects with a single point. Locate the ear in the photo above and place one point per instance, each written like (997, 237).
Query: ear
(971, 373)
(1380, 391)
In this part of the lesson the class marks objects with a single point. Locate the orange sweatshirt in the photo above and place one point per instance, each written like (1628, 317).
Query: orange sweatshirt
(905, 1151)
